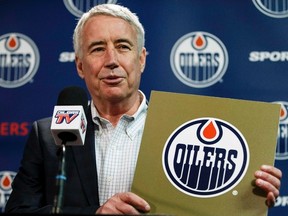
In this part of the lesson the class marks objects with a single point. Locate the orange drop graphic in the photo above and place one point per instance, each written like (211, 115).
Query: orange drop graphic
(199, 41)
(6, 181)
(210, 131)
(282, 112)
(12, 42)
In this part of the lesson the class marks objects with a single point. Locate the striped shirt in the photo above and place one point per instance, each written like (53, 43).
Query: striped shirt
(116, 150)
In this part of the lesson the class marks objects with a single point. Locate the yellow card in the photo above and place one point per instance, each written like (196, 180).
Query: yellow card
(199, 154)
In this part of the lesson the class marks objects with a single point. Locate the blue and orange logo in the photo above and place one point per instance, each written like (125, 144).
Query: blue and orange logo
(199, 59)
(6, 179)
(205, 157)
(19, 60)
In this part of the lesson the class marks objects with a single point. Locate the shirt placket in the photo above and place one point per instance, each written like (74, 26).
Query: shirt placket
(111, 159)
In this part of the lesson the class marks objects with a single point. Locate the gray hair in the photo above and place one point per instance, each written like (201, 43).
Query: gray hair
(110, 10)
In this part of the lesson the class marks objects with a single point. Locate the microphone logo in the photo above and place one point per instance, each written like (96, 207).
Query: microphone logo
(83, 124)
(66, 115)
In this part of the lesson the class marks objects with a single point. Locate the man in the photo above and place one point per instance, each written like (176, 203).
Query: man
(110, 58)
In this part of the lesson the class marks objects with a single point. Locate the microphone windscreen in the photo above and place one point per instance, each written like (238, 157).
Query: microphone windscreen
(73, 95)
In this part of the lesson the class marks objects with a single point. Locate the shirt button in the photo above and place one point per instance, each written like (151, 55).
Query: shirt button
(109, 179)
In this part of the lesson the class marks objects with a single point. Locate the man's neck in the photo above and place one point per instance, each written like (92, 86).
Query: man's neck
(113, 111)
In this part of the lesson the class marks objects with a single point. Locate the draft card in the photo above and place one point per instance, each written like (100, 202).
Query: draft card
(199, 154)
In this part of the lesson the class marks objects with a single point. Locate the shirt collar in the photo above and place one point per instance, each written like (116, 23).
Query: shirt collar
(98, 120)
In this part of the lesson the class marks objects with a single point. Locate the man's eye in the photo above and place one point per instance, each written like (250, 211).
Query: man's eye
(124, 47)
(98, 49)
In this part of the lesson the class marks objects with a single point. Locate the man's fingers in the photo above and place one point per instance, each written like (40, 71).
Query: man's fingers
(272, 170)
(135, 201)
(124, 203)
(268, 178)
(270, 201)
(268, 187)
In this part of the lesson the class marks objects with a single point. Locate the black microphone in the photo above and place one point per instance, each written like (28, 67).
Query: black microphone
(68, 127)
(69, 121)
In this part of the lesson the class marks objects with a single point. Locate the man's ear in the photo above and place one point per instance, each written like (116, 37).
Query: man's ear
(78, 63)
(143, 59)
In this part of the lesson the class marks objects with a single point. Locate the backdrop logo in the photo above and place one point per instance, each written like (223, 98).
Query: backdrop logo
(78, 7)
(272, 8)
(282, 139)
(19, 60)
(205, 157)
(6, 178)
(199, 59)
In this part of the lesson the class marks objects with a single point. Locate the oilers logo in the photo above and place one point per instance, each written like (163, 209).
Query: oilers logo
(205, 157)
(272, 8)
(6, 178)
(282, 139)
(78, 7)
(199, 59)
(19, 60)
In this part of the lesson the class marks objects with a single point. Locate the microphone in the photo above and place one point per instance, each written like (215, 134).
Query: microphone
(69, 121)
(68, 127)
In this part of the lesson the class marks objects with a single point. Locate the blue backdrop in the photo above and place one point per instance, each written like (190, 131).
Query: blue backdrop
(235, 49)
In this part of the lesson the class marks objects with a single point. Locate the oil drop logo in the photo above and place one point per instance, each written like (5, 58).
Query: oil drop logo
(205, 157)
(19, 60)
(6, 179)
(199, 59)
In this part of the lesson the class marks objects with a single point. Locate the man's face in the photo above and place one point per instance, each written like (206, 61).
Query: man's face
(110, 62)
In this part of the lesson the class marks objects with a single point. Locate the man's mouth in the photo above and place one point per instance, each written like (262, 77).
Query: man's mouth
(112, 80)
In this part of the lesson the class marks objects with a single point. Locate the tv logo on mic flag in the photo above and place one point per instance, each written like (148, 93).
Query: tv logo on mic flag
(205, 157)
(66, 115)
(69, 119)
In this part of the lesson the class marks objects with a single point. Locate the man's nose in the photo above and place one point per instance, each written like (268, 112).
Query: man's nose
(111, 59)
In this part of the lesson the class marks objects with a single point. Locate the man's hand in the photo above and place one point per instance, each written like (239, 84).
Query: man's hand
(268, 179)
(124, 203)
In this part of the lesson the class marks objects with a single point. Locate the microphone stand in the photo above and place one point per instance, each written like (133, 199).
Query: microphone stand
(60, 181)
(61, 176)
